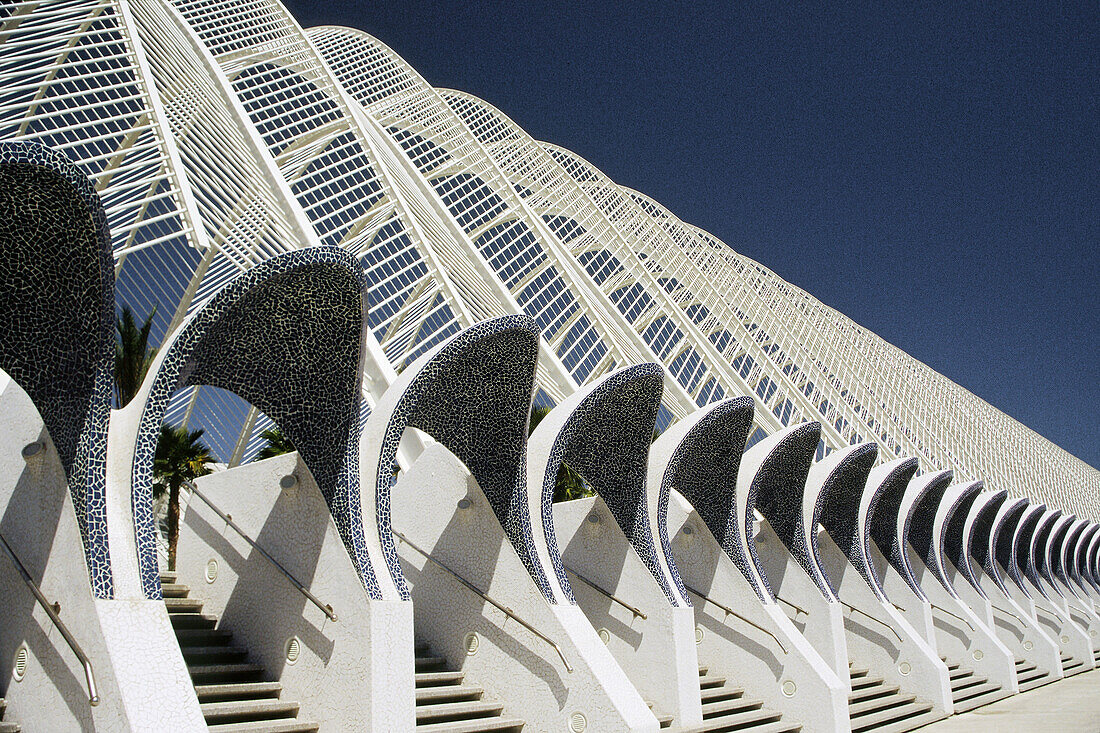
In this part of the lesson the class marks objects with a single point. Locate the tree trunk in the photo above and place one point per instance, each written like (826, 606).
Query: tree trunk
(173, 521)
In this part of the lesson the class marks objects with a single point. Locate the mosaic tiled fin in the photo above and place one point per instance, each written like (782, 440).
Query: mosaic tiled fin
(603, 432)
(1002, 550)
(287, 337)
(57, 322)
(879, 510)
(1021, 541)
(917, 514)
(1059, 539)
(1037, 559)
(472, 394)
(777, 488)
(703, 456)
(1089, 558)
(977, 534)
(1080, 557)
(834, 489)
(947, 532)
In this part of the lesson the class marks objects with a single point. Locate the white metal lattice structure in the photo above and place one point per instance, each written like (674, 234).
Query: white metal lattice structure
(219, 133)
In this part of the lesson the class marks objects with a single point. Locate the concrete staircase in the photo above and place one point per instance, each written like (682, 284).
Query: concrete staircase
(876, 706)
(1071, 665)
(725, 708)
(1029, 676)
(968, 690)
(232, 692)
(444, 704)
(6, 727)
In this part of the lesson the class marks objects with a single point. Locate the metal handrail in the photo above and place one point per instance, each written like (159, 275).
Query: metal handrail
(795, 606)
(228, 518)
(1010, 613)
(52, 610)
(730, 612)
(953, 615)
(893, 631)
(500, 607)
(633, 609)
(1047, 611)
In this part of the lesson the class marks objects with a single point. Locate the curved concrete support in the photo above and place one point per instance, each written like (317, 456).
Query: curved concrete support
(963, 615)
(878, 636)
(481, 376)
(57, 330)
(1077, 559)
(1021, 549)
(992, 522)
(1080, 613)
(916, 524)
(1092, 558)
(1048, 605)
(698, 458)
(616, 543)
(878, 507)
(260, 337)
(881, 504)
(774, 472)
(1090, 540)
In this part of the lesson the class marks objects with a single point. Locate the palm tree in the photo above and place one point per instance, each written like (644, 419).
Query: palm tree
(277, 443)
(181, 457)
(132, 355)
(569, 484)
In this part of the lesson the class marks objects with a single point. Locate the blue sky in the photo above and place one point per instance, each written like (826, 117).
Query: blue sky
(932, 172)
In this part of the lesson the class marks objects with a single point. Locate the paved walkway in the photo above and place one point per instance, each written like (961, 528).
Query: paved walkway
(1069, 706)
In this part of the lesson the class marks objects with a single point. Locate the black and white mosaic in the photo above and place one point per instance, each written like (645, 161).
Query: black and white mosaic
(953, 547)
(981, 538)
(882, 523)
(1021, 557)
(921, 519)
(287, 337)
(837, 509)
(777, 492)
(606, 440)
(1054, 563)
(1004, 548)
(57, 322)
(473, 396)
(1038, 561)
(703, 469)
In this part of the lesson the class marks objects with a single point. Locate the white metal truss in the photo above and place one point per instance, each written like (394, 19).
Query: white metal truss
(219, 133)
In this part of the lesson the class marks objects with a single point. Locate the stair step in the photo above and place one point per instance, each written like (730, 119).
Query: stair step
(703, 671)
(865, 682)
(977, 696)
(447, 693)
(912, 722)
(211, 673)
(289, 725)
(725, 707)
(483, 725)
(168, 576)
(664, 721)
(900, 713)
(192, 621)
(238, 691)
(208, 654)
(961, 673)
(9, 727)
(869, 707)
(457, 711)
(427, 663)
(775, 727)
(869, 693)
(708, 682)
(717, 694)
(857, 672)
(963, 687)
(240, 711)
(741, 720)
(203, 637)
(432, 679)
(174, 590)
(183, 605)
